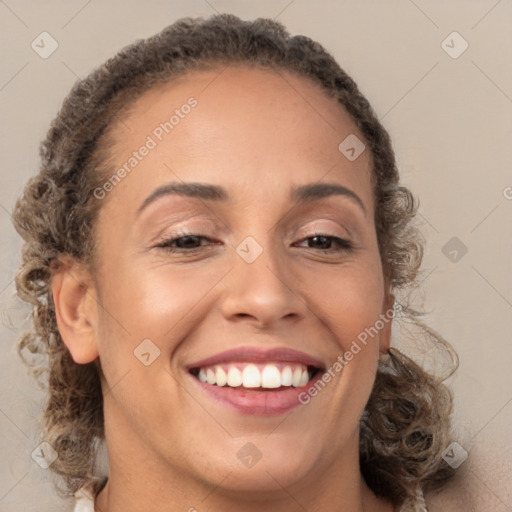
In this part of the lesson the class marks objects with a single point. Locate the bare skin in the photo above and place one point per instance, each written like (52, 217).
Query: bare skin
(170, 446)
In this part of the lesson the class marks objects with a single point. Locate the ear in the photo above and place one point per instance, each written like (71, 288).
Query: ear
(387, 315)
(76, 309)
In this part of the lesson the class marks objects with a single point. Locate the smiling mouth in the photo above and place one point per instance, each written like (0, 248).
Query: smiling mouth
(256, 377)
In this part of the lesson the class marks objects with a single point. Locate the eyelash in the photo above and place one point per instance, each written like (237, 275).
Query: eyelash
(343, 245)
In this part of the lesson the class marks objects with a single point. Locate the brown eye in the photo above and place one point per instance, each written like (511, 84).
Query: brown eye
(325, 243)
(186, 242)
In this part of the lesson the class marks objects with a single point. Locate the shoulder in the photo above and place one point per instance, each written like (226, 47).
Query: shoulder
(84, 497)
(416, 503)
(83, 502)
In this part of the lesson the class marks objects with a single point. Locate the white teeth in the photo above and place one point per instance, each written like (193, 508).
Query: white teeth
(220, 375)
(234, 377)
(286, 376)
(251, 376)
(304, 378)
(296, 378)
(210, 376)
(269, 376)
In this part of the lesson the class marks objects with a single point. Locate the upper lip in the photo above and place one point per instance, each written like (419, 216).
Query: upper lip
(259, 355)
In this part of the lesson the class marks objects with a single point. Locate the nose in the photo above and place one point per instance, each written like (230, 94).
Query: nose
(262, 292)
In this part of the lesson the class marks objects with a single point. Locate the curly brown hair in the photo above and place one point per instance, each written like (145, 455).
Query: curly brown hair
(406, 424)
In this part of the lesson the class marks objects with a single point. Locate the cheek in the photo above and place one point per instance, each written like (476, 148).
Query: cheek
(159, 302)
(163, 302)
(348, 300)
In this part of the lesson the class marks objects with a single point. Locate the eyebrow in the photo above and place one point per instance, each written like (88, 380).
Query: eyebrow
(302, 193)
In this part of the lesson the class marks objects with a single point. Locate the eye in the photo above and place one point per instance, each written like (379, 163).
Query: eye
(184, 242)
(325, 242)
(190, 242)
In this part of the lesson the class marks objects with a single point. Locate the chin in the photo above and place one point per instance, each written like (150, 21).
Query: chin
(260, 466)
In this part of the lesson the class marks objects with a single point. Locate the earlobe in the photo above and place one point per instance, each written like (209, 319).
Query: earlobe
(74, 297)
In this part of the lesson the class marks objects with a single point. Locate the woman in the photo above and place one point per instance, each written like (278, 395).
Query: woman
(213, 246)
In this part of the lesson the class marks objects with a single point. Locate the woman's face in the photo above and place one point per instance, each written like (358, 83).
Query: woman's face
(249, 294)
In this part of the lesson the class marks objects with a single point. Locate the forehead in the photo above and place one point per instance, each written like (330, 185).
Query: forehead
(247, 124)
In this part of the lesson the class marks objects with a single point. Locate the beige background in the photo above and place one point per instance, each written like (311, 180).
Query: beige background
(451, 123)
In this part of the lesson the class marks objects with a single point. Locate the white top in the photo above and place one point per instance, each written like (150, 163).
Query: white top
(85, 498)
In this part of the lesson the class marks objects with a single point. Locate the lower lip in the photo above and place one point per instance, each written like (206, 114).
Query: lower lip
(262, 403)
